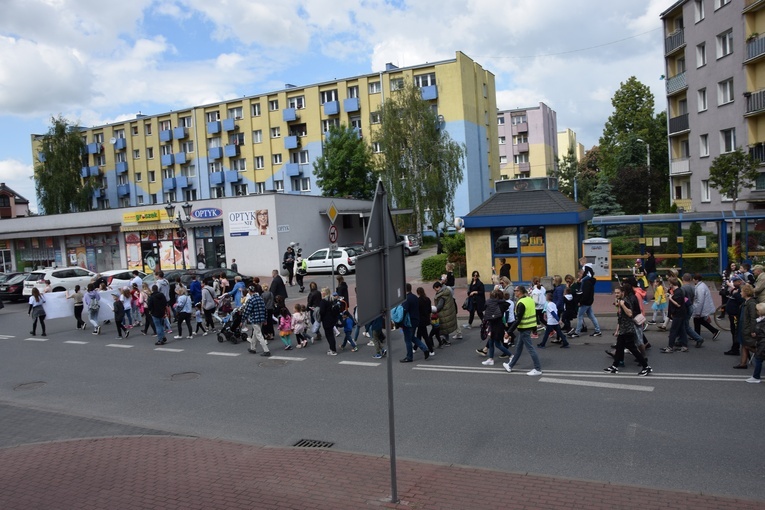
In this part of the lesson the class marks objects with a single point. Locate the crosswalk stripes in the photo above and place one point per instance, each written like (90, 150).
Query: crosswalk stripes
(119, 346)
(78, 342)
(168, 349)
(232, 354)
(6, 337)
(35, 339)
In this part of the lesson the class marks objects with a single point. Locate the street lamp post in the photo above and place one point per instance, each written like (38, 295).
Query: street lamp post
(179, 220)
(648, 164)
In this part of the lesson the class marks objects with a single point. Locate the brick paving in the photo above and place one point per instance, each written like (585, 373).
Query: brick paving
(166, 472)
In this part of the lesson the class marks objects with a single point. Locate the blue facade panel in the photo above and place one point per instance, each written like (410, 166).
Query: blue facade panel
(429, 92)
(120, 144)
(291, 142)
(351, 104)
(232, 176)
(231, 150)
(182, 182)
(179, 133)
(123, 190)
(292, 169)
(93, 148)
(180, 158)
(166, 135)
(167, 159)
(94, 171)
(216, 178)
(332, 108)
(289, 115)
(213, 127)
(229, 124)
(215, 152)
(168, 183)
(121, 167)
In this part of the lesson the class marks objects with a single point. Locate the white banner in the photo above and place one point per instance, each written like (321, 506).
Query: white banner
(57, 306)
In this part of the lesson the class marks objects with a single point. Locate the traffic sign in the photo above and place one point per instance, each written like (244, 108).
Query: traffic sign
(333, 234)
(332, 212)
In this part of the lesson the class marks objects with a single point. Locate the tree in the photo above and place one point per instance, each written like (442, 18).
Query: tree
(587, 176)
(602, 199)
(730, 173)
(58, 184)
(346, 165)
(420, 162)
(568, 168)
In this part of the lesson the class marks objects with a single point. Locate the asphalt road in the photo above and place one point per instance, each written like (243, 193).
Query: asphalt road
(692, 425)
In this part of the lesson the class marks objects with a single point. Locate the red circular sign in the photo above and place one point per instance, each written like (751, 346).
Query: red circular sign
(333, 234)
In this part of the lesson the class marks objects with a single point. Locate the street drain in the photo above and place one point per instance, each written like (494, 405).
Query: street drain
(184, 376)
(29, 386)
(273, 363)
(313, 443)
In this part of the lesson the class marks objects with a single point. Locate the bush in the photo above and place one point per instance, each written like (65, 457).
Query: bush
(433, 267)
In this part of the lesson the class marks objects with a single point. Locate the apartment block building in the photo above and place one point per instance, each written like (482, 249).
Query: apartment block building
(528, 141)
(715, 85)
(268, 142)
(567, 141)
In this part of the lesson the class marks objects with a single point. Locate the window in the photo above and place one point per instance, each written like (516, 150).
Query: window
(276, 132)
(725, 43)
(727, 140)
(521, 158)
(500, 120)
(375, 117)
(298, 130)
(120, 157)
(235, 113)
(503, 160)
(187, 146)
(119, 133)
(699, 10)
(136, 154)
(260, 188)
(297, 102)
(258, 162)
(685, 148)
(152, 176)
(217, 192)
(153, 198)
(425, 80)
(240, 165)
(376, 147)
(502, 140)
(278, 185)
(186, 122)
(702, 99)
(353, 91)
(139, 200)
(277, 159)
(166, 150)
(356, 123)
(256, 110)
(520, 139)
(725, 92)
(721, 3)
(701, 55)
(147, 129)
(257, 136)
(134, 130)
(396, 84)
(138, 177)
(374, 87)
(682, 106)
(98, 137)
(168, 173)
(124, 202)
(100, 160)
(327, 96)
(485, 91)
(301, 184)
(168, 196)
(759, 184)
(189, 170)
(703, 145)
(189, 194)
(326, 124)
(213, 142)
(705, 193)
(273, 105)
(215, 166)
(122, 179)
(236, 139)
(164, 125)
(518, 119)
(239, 190)
(300, 157)
(212, 116)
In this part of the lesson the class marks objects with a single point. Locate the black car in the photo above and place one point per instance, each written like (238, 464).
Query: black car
(202, 274)
(12, 287)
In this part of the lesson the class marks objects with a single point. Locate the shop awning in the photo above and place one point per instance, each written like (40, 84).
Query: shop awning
(147, 226)
(27, 234)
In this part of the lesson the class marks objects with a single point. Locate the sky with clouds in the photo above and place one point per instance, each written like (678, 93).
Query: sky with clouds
(96, 62)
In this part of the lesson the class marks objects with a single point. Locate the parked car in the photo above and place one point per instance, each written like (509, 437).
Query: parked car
(201, 274)
(61, 278)
(11, 289)
(118, 278)
(411, 243)
(4, 277)
(343, 259)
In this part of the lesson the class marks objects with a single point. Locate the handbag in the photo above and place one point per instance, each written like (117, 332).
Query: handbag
(639, 319)
(467, 304)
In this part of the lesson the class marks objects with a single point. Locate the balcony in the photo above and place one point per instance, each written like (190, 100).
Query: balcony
(757, 152)
(674, 41)
(755, 101)
(678, 124)
(231, 150)
(524, 167)
(676, 84)
(166, 135)
(168, 183)
(93, 148)
(351, 104)
(99, 192)
(291, 142)
(232, 176)
(292, 169)
(217, 178)
(123, 190)
(289, 115)
(521, 147)
(522, 127)
(215, 152)
(166, 160)
(180, 133)
(229, 124)
(121, 167)
(180, 158)
(213, 128)
(429, 92)
(332, 108)
(182, 182)
(120, 144)
(89, 171)
(753, 5)
(680, 166)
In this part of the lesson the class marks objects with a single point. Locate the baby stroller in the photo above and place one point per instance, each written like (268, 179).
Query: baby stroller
(231, 329)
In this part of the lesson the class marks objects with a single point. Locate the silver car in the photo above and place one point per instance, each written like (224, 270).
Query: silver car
(344, 260)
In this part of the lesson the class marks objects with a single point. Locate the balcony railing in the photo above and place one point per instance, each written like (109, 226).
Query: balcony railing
(755, 101)
(674, 41)
(680, 166)
(678, 124)
(757, 152)
(676, 83)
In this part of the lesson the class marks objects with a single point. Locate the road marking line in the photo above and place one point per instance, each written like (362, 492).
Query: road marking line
(461, 370)
(121, 346)
(286, 358)
(36, 339)
(360, 363)
(168, 349)
(223, 354)
(6, 337)
(597, 384)
(77, 342)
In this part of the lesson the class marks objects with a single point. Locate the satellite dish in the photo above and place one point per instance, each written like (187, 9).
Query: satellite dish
(112, 140)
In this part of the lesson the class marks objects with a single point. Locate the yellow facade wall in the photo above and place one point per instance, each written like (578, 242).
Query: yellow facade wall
(561, 244)
(478, 252)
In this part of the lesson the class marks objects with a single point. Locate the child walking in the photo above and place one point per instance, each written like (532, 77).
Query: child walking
(199, 319)
(348, 324)
(553, 323)
(285, 328)
(119, 316)
(298, 325)
(659, 302)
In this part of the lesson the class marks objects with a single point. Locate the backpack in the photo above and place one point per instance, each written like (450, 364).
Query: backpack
(94, 305)
(485, 329)
(399, 317)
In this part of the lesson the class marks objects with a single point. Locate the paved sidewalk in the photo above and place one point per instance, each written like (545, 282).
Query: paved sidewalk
(161, 472)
